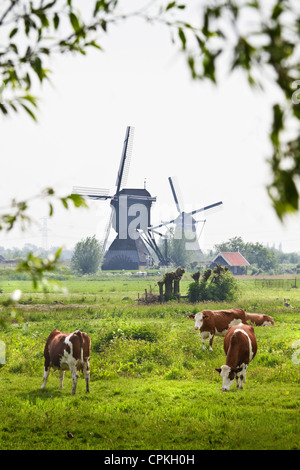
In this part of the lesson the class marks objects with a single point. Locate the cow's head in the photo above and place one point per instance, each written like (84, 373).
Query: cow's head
(199, 318)
(228, 375)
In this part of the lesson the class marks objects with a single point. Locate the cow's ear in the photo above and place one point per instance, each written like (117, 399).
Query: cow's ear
(218, 370)
(192, 317)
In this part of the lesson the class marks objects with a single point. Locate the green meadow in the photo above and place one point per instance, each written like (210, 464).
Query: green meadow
(152, 386)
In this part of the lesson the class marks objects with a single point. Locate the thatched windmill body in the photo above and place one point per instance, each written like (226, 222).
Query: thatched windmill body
(130, 212)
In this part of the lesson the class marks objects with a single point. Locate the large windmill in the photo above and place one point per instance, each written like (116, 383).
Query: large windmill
(184, 226)
(130, 213)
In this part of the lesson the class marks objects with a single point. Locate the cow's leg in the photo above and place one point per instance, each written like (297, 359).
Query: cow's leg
(211, 339)
(61, 379)
(239, 381)
(46, 375)
(74, 374)
(241, 378)
(86, 373)
(204, 335)
(243, 375)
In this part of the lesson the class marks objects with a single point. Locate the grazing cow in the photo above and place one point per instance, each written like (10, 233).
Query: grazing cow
(65, 351)
(240, 348)
(217, 322)
(259, 319)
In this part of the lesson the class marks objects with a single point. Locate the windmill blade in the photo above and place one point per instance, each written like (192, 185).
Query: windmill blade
(176, 193)
(163, 224)
(91, 193)
(150, 241)
(125, 158)
(108, 228)
(205, 208)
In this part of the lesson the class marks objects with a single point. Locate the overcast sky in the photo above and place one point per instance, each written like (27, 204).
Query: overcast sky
(213, 139)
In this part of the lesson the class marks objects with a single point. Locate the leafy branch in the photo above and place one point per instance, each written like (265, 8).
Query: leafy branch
(265, 48)
(17, 214)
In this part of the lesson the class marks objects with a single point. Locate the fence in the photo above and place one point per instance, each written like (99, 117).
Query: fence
(278, 283)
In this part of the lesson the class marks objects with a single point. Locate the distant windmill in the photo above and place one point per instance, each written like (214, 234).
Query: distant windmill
(130, 212)
(185, 225)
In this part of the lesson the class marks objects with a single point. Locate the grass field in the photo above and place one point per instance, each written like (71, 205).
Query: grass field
(152, 386)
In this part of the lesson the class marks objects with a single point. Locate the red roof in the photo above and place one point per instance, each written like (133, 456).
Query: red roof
(234, 258)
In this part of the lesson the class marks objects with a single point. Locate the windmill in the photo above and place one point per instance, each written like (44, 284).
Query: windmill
(184, 223)
(130, 213)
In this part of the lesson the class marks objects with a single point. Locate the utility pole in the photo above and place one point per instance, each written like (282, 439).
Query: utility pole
(45, 231)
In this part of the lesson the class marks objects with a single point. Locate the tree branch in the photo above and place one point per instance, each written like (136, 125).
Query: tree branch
(12, 5)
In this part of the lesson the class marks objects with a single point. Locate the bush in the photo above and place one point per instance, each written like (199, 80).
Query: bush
(133, 332)
(87, 256)
(218, 285)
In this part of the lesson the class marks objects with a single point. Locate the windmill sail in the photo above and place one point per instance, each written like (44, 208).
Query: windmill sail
(91, 193)
(176, 194)
(187, 214)
(125, 159)
(107, 230)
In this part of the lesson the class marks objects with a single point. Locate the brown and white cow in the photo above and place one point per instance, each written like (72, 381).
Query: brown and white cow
(217, 322)
(240, 348)
(259, 319)
(65, 351)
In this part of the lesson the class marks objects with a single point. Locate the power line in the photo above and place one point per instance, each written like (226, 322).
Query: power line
(45, 231)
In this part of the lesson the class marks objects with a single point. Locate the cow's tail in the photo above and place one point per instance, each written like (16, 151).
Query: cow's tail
(79, 334)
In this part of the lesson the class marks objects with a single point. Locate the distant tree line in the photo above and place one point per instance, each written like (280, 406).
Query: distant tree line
(85, 258)
(87, 255)
(17, 253)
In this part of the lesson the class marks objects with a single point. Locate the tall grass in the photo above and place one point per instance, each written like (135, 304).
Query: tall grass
(152, 385)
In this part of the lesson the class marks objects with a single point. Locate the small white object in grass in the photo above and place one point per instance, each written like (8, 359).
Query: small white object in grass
(16, 295)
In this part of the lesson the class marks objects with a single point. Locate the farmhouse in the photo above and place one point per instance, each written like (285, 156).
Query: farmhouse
(236, 263)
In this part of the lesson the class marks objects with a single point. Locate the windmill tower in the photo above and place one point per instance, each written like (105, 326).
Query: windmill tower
(130, 214)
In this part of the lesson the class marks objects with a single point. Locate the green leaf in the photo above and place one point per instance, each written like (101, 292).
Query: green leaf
(93, 44)
(13, 32)
(57, 254)
(74, 21)
(64, 201)
(49, 5)
(48, 192)
(182, 38)
(170, 5)
(50, 209)
(31, 99)
(77, 200)
(36, 64)
(29, 111)
(278, 125)
(56, 21)
(101, 5)
(191, 64)
(278, 9)
(3, 109)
